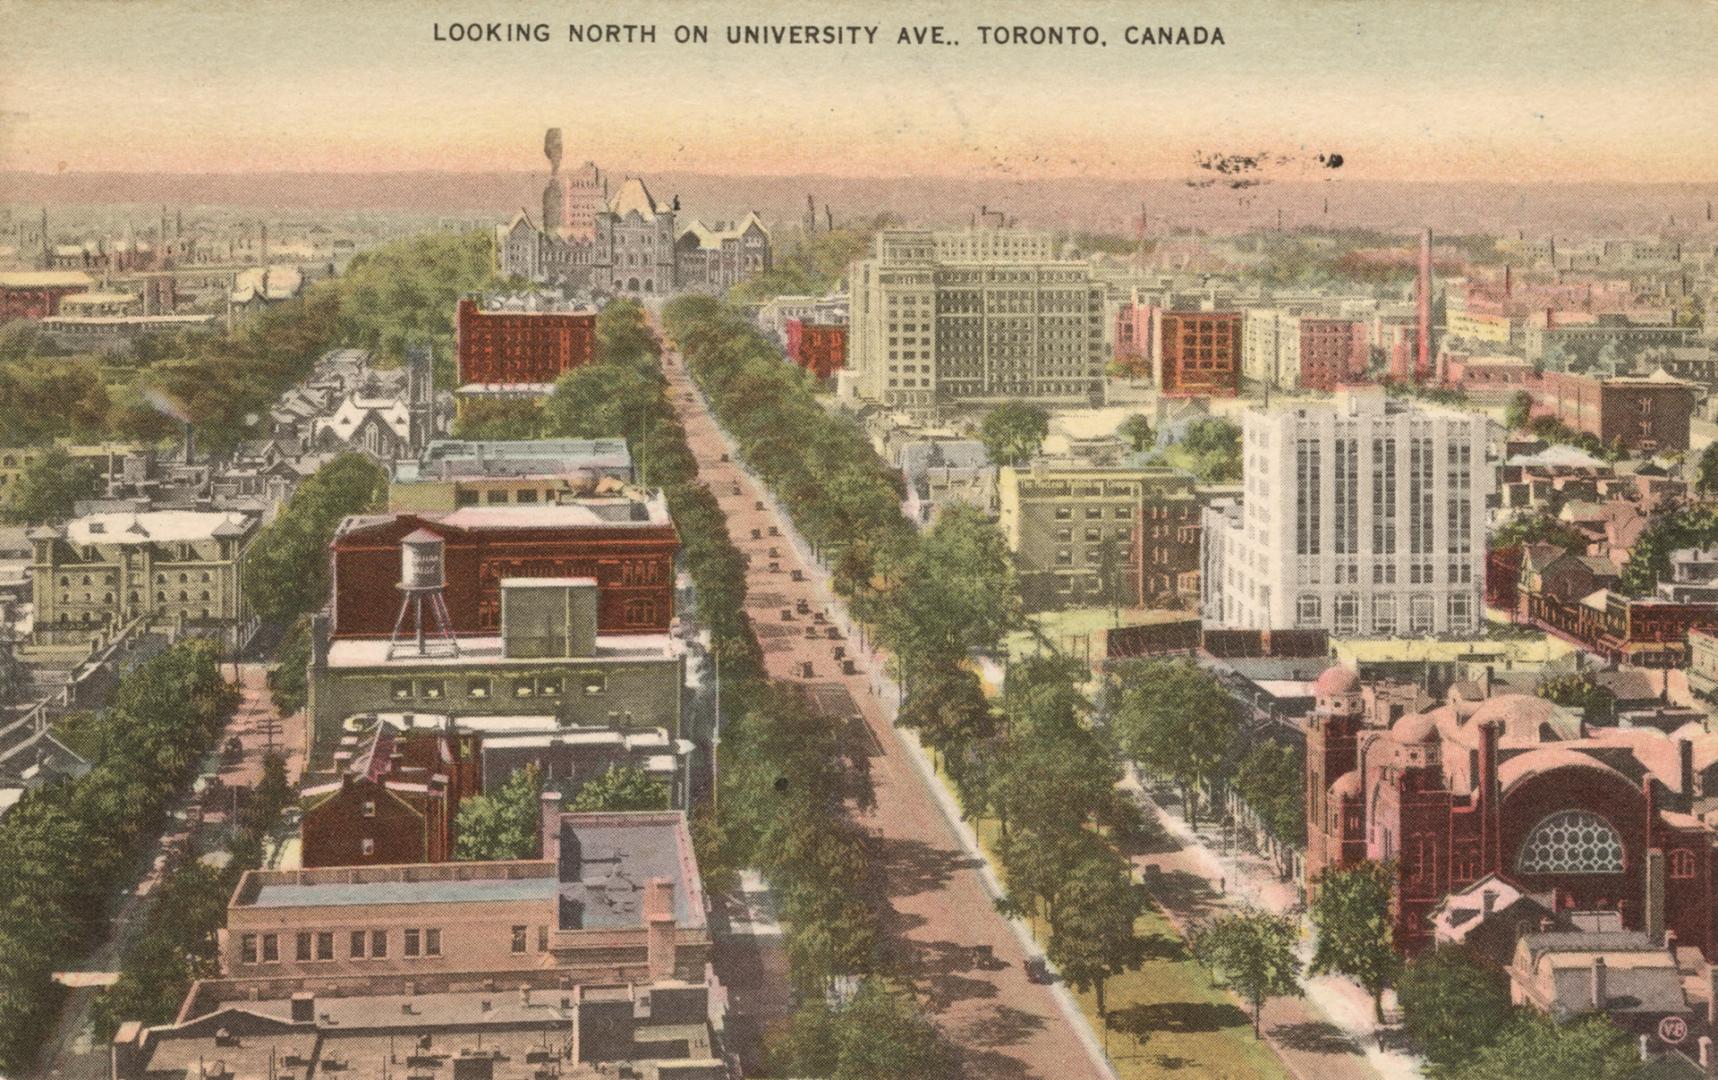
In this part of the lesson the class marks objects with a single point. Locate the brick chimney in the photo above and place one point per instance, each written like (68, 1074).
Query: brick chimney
(550, 825)
(1655, 894)
(1490, 822)
(659, 927)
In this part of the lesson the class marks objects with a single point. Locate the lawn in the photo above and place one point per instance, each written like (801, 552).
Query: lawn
(1165, 1017)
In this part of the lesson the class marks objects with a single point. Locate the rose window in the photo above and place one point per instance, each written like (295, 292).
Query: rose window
(1572, 842)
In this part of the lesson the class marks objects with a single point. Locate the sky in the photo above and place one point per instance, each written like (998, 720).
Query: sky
(1505, 90)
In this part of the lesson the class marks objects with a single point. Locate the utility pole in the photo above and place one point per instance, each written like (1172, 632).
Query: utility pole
(716, 741)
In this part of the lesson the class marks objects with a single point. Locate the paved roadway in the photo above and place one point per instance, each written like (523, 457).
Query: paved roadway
(71, 1053)
(937, 912)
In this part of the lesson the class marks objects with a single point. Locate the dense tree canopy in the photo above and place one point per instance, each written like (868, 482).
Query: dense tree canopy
(1176, 720)
(1013, 432)
(1351, 913)
(1256, 953)
(1209, 448)
(49, 487)
(1453, 1004)
(878, 1034)
(286, 566)
(1533, 1045)
(502, 824)
(622, 787)
(149, 742)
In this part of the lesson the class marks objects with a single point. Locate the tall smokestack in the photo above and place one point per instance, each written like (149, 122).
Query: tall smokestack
(1423, 299)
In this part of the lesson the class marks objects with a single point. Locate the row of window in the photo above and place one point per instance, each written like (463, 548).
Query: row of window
(318, 945)
(589, 683)
(107, 579)
(1458, 613)
(107, 598)
(1094, 513)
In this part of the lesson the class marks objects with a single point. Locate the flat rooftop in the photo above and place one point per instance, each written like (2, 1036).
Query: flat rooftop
(618, 854)
(590, 511)
(352, 894)
(487, 651)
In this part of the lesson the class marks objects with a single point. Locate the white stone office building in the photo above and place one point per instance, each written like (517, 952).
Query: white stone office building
(982, 315)
(1364, 517)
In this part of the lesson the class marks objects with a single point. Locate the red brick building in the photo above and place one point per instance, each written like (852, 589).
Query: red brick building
(1163, 549)
(1600, 819)
(394, 802)
(1641, 413)
(1199, 353)
(510, 347)
(626, 544)
(36, 294)
(820, 348)
(1332, 352)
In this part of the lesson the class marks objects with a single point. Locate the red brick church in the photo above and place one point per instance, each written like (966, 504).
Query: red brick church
(1616, 820)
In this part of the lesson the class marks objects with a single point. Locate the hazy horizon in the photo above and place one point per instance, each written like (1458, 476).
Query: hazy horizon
(1590, 90)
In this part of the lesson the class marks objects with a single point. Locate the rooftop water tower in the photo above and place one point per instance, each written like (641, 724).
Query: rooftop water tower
(422, 579)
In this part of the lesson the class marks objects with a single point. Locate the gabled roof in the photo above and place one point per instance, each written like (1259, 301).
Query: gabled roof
(634, 197)
(711, 239)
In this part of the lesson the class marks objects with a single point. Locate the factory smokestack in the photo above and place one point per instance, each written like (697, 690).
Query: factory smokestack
(1423, 304)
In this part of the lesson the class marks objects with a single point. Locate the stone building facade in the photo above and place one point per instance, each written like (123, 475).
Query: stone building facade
(625, 242)
(977, 316)
(1364, 517)
(1083, 536)
(102, 571)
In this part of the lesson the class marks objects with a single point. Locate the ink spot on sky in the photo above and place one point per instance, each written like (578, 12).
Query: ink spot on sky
(1330, 161)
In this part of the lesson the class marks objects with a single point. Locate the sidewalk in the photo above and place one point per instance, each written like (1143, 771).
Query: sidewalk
(1330, 1034)
(940, 927)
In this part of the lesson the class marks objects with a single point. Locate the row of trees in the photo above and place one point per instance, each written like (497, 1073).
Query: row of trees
(933, 600)
(787, 773)
(390, 298)
(68, 846)
(178, 940)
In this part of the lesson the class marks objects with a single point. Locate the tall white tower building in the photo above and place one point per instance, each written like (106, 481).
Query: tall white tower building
(1364, 516)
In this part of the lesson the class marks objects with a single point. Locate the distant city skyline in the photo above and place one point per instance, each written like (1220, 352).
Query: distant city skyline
(1458, 91)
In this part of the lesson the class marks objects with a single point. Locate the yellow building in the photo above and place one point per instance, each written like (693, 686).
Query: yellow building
(1072, 529)
(102, 571)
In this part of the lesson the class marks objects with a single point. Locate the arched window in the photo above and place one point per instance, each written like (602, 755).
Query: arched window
(1681, 863)
(1571, 842)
